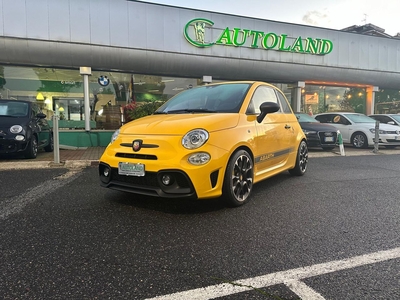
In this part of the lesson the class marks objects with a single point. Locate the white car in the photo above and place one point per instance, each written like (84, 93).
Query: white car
(359, 129)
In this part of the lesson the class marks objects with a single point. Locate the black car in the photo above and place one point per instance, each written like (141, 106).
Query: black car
(318, 134)
(23, 129)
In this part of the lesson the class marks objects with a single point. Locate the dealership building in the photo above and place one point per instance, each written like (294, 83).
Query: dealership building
(84, 60)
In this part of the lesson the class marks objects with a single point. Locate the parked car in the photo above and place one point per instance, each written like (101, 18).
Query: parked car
(392, 119)
(206, 142)
(359, 129)
(23, 128)
(318, 134)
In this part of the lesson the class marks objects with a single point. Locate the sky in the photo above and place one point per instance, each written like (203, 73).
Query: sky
(334, 14)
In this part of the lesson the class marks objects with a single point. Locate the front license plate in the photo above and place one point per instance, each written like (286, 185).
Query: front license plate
(130, 169)
(329, 139)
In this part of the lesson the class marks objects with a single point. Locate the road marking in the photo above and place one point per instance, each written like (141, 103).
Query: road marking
(16, 204)
(293, 275)
(303, 291)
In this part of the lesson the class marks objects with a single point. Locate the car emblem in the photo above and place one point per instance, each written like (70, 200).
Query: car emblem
(136, 145)
(328, 134)
(103, 80)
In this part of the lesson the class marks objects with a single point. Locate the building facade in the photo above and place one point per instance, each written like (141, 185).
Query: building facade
(145, 52)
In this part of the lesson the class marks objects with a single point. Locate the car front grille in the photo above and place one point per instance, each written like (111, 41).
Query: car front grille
(137, 156)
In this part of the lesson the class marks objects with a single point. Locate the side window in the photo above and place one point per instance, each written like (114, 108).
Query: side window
(324, 118)
(285, 107)
(338, 119)
(261, 95)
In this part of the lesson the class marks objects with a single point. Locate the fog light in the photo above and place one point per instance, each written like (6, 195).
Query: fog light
(199, 158)
(19, 138)
(166, 179)
(105, 173)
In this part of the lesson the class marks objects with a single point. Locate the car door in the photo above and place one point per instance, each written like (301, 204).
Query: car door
(344, 125)
(271, 141)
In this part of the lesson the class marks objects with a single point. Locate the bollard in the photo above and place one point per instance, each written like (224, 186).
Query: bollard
(56, 140)
(376, 142)
(341, 147)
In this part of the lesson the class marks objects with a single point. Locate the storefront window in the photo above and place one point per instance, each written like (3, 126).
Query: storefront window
(60, 91)
(387, 101)
(319, 99)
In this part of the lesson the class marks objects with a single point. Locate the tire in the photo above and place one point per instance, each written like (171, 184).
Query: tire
(301, 160)
(359, 140)
(32, 148)
(238, 180)
(50, 146)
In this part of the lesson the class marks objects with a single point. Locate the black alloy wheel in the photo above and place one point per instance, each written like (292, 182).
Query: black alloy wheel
(238, 180)
(301, 160)
(32, 148)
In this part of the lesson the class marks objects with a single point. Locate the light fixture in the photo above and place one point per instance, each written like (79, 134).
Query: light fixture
(47, 101)
(40, 96)
(61, 109)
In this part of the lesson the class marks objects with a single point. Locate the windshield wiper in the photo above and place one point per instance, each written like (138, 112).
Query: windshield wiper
(190, 110)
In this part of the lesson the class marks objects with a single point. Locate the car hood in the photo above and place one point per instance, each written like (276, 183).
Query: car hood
(179, 124)
(317, 126)
(6, 122)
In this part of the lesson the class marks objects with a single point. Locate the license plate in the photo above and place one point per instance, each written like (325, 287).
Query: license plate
(130, 169)
(329, 139)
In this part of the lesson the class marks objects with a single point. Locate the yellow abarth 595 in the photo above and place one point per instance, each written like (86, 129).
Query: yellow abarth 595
(211, 141)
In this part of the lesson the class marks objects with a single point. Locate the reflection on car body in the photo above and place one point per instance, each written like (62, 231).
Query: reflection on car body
(318, 134)
(359, 129)
(23, 128)
(205, 142)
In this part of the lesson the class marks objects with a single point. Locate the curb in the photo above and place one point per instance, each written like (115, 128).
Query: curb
(68, 164)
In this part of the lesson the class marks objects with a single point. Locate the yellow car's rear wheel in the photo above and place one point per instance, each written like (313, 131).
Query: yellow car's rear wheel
(238, 180)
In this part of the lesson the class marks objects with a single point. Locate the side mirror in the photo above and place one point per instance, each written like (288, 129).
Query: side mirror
(391, 123)
(266, 108)
(41, 116)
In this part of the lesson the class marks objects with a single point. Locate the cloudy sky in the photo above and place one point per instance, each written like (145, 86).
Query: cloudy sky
(335, 14)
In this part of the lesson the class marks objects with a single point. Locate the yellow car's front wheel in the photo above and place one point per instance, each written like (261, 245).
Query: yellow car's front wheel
(238, 180)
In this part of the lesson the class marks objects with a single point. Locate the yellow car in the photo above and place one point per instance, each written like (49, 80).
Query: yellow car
(211, 141)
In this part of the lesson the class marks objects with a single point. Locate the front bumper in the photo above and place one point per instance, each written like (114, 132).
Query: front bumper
(320, 139)
(9, 146)
(187, 180)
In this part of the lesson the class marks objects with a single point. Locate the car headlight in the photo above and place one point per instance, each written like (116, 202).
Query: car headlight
(309, 131)
(380, 131)
(16, 129)
(114, 135)
(195, 139)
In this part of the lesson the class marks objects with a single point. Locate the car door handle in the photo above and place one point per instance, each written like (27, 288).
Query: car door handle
(287, 126)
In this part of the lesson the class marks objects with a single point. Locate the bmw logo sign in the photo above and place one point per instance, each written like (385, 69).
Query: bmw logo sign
(103, 80)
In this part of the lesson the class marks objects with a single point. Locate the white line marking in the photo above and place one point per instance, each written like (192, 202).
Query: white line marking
(17, 204)
(225, 289)
(303, 291)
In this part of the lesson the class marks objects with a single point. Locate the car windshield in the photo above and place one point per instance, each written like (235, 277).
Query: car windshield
(226, 98)
(396, 117)
(304, 118)
(359, 118)
(10, 108)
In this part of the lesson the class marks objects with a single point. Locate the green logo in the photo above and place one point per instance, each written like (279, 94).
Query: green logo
(196, 32)
(198, 27)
